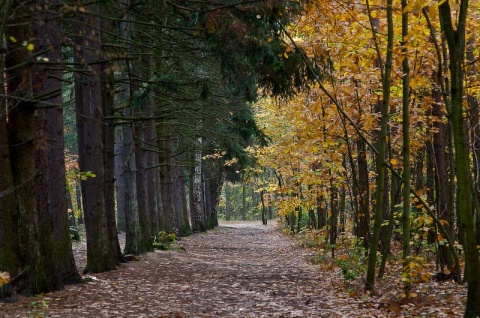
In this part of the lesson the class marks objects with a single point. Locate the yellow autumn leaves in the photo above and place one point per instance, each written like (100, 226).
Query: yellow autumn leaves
(4, 278)
(311, 144)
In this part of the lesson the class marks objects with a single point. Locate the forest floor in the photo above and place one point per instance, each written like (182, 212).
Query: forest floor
(240, 269)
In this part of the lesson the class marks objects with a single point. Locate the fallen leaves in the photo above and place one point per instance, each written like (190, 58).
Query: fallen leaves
(243, 270)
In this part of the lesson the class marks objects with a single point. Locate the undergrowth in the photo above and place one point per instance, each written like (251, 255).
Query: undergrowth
(351, 258)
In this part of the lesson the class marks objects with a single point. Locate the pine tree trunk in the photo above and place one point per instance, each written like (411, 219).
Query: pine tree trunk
(50, 185)
(216, 187)
(88, 95)
(228, 205)
(119, 178)
(109, 164)
(142, 183)
(151, 163)
(207, 176)
(181, 201)
(197, 212)
(21, 130)
(133, 238)
(167, 177)
(9, 240)
(152, 173)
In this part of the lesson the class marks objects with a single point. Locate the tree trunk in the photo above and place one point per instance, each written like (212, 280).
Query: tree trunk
(381, 167)
(146, 240)
(109, 164)
(228, 205)
(167, 175)
(151, 163)
(197, 212)
(264, 210)
(133, 236)
(455, 37)
(474, 116)
(21, 129)
(88, 95)
(406, 153)
(321, 212)
(119, 178)
(207, 176)
(216, 185)
(244, 201)
(333, 233)
(50, 184)
(363, 231)
(444, 210)
(181, 199)
(9, 240)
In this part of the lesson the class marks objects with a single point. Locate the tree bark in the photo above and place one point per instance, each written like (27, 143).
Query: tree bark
(181, 201)
(88, 95)
(109, 164)
(119, 178)
(406, 154)
(167, 175)
(50, 182)
(142, 183)
(21, 134)
(197, 212)
(244, 201)
(9, 239)
(381, 166)
(132, 219)
(444, 210)
(455, 37)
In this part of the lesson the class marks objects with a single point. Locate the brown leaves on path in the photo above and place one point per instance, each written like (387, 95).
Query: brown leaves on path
(241, 269)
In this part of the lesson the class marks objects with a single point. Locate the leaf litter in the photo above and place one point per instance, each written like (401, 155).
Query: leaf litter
(240, 269)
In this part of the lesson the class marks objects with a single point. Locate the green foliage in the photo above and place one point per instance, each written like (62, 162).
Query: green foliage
(239, 132)
(353, 258)
(250, 44)
(39, 307)
(312, 238)
(163, 240)
(353, 264)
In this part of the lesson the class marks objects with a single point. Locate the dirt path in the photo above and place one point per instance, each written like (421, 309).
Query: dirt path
(237, 270)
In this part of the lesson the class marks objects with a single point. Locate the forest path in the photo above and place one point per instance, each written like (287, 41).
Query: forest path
(240, 269)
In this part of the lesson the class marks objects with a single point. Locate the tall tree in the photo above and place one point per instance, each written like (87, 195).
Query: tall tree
(50, 180)
(9, 241)
(454, 31)
(197, 212)
(89, 107)
(381, 165)
(21, 135)
(406, 151)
